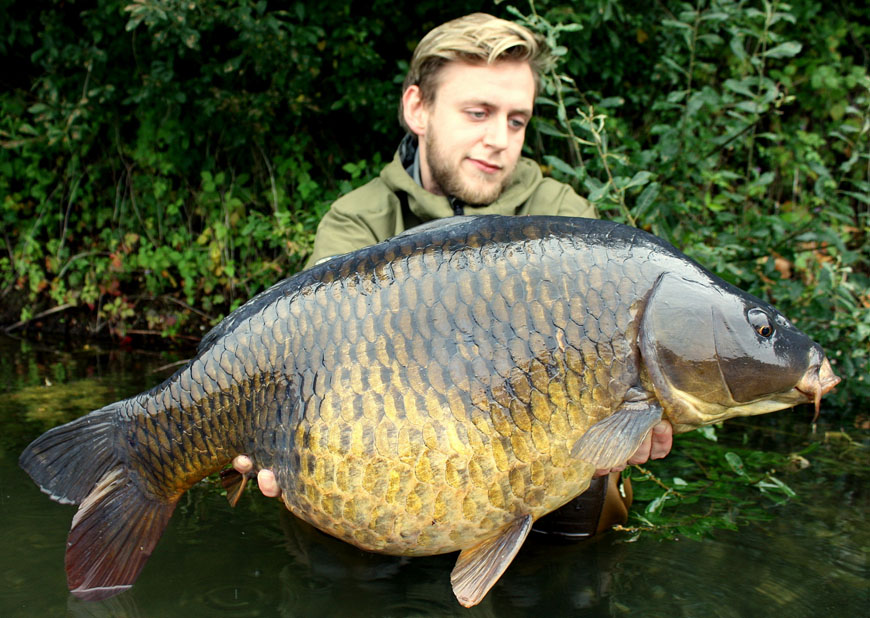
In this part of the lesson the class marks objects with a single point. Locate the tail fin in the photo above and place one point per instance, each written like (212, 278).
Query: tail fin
(67, 461)
(117, 525)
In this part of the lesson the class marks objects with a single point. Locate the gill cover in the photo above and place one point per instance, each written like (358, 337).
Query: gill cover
(715, 349)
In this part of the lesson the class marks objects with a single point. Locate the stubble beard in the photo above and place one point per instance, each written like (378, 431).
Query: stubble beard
(448, 177)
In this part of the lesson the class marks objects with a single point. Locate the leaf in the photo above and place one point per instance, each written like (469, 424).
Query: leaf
(640, 178)
(737, 47)
(561, 165)
(676, 96)
(657, 504)
(596, 195)
(771, 482)
(751, 106)
(740, 87)
(676, 24)
(709, 432)
(861, 197)
(735, 463)
(611, 102)
(784, 50)
(548, 129)
(646, 199)
(675, 66)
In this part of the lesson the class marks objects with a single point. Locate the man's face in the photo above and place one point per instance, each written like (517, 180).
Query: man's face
(473, 132)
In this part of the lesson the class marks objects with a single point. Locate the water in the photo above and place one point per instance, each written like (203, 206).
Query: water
(258, 560)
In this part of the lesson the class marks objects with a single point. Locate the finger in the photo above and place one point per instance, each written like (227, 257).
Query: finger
(606, 471)
(662, 440)
(641, 455)
(268, 484)
(243, 464)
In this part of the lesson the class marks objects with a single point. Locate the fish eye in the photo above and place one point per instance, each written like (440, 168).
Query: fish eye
(760, 322)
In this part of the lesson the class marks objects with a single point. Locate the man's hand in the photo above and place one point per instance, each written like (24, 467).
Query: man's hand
(656, 445)
(265, 478)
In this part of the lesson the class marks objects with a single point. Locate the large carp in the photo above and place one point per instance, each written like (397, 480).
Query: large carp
(436, 392)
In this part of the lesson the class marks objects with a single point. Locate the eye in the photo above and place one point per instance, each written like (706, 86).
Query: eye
(760, 322)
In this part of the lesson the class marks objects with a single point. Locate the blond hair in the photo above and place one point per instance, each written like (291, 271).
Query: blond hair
(478, 38)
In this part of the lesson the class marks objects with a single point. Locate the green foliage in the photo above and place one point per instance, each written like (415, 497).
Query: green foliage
(163, 161)
(738, 131)
(720, 479)
(705, 486)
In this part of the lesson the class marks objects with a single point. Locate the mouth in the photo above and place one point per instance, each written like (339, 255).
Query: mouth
(814, 384)
(485, 166)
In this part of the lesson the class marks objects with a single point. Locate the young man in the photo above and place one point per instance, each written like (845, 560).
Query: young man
(466, 103)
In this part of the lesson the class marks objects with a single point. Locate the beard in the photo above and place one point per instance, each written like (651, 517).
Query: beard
(449, 178)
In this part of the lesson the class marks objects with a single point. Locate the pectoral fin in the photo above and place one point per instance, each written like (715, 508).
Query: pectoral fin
(612, 441)
(479, 567)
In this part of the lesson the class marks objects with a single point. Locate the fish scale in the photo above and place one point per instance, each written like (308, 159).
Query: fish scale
(420, 494)
(436, 392)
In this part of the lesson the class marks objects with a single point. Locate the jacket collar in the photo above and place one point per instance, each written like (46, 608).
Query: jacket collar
(403, 175)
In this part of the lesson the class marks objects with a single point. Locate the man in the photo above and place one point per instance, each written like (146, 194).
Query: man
(466, 103)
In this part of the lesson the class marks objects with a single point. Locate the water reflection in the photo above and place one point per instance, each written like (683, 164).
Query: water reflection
(258, 560)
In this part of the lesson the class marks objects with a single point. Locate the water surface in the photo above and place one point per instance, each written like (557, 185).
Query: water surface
(258, 560)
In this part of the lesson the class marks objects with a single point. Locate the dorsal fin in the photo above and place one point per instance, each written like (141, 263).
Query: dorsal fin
(438, 224)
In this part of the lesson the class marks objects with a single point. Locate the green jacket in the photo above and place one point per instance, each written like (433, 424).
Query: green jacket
(394, 202)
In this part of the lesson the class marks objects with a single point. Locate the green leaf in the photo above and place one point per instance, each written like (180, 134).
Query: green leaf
(736, 45)
(771, 482)
(735, 463)
(740, 87)
(784, 50)
(562, 166)
(548, 129)
(657, 504)
(596, 195)
(709, 432)
(640, 178)
(646, 199)
(676, 24)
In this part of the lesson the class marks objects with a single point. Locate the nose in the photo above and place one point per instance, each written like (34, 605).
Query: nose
(497, 133)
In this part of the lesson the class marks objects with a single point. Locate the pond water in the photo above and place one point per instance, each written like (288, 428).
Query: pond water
(258, 560)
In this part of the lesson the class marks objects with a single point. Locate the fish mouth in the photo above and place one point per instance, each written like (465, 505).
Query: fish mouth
(814, 384)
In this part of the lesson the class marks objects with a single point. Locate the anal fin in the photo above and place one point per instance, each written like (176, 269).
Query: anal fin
(479, 568)
(612, 441)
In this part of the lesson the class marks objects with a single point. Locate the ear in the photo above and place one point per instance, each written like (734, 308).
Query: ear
(415, 110)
